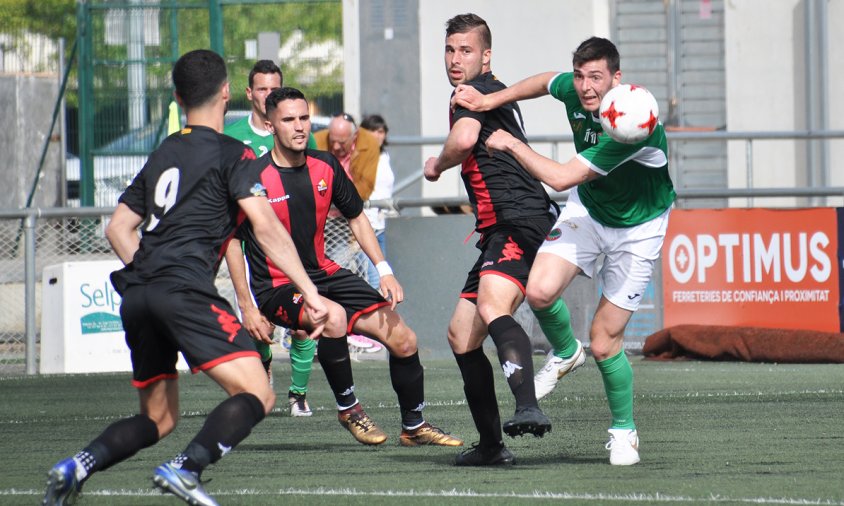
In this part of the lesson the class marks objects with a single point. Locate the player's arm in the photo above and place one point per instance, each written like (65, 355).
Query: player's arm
(531, 87)
(458, 146)
(559, 176)
(256, 323)
(365, 236)
(122, 232)
(277, 244)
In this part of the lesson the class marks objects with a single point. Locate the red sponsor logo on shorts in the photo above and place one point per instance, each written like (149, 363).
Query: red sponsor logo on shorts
(282, 316)
(511, 251)
(228, 322)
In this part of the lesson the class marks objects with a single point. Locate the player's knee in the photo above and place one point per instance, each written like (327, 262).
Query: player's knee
(336, 325)
(166, 423)
(404, 343)
(268, 400)
(538, 296)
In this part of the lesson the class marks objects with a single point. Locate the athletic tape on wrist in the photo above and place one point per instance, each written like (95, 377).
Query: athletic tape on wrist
(383, 268)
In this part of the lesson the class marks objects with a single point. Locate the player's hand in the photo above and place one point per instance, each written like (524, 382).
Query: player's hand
(470, 98)
(430, 169)
(392, 290)
(500, 140)
(257, 325)
(318, 315)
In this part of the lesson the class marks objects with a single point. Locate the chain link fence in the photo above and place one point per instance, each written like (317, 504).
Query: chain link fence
(74, 238)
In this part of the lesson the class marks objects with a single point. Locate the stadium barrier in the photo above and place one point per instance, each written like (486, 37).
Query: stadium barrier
(31, 239)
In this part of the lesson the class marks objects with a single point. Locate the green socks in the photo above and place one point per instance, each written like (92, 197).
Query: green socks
(302, 353)
(555, 322)
(264, 350)
(618, 384)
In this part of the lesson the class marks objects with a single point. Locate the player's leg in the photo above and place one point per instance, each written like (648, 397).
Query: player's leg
(119, 441)
(302, 352)
(250, 399)
(406, 375)
(154, 374)
(626, 272)
(266, 353)
(549, 277)
(498, 298)
(607, 334)
(333, 353)
(466, 334)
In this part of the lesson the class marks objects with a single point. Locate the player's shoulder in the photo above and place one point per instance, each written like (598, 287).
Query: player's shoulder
(318, 157)
(486, 83)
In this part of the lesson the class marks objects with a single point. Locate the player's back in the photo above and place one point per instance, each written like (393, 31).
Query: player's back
(186, 194)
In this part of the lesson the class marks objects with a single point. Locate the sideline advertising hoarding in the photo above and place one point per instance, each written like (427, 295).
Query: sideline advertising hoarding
(772, 268)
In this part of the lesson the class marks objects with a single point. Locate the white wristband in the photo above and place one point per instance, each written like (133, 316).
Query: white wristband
(383, 268)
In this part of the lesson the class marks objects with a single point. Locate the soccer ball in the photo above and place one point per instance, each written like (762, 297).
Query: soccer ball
(629, 113)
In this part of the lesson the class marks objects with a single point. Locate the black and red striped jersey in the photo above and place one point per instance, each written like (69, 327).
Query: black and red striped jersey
(500, 190)
(301, 198)
(187, 194)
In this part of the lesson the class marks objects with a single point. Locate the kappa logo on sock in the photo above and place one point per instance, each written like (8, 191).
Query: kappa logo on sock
(420, 407)
(348, 391)
(509, 368)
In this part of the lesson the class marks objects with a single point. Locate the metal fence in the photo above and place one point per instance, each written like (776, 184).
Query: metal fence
(32, 239)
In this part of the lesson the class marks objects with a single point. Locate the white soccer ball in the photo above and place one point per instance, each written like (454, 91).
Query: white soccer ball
(629, 113)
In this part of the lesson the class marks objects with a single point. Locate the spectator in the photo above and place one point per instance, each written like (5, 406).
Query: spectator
(382, 190)
(358, 151)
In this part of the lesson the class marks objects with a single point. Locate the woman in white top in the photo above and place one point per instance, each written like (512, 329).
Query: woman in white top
(383, 189)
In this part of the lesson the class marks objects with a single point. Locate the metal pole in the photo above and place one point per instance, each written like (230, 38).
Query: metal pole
(215, 20)
(29, 291)
(748, 154)
(62, 131)
(86, 105)
(823, 89)
(810, 73)
(136, 70)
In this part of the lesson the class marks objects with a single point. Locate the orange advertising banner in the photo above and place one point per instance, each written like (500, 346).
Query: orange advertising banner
(767, 268)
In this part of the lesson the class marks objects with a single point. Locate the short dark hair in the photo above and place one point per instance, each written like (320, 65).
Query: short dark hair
(463, 23)
(264, 67)
(280, 95)
(374, 122)
(197, 77)
(597, 48)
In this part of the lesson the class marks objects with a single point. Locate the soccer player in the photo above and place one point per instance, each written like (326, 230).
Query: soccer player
(186, 201)
(513, 213)
(619, 209)
(265, 77)
(301, 186)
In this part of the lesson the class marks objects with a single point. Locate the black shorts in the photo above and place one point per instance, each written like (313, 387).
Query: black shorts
(284, 304)
(162, 319)
(507, 250)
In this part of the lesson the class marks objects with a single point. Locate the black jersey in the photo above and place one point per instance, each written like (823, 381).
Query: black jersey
(301, 198)
(500, 190)
(187, 194)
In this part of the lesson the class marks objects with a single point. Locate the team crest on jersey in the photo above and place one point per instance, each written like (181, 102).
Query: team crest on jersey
(554, 234)
(322, 187)
(297, 298)
(258, 190)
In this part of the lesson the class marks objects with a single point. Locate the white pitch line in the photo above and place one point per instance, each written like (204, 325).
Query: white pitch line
(454, 493)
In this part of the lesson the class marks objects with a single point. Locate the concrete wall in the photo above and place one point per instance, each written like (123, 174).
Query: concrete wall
(26, 106)
(765, 68)
(431, 257)
(766, 88)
